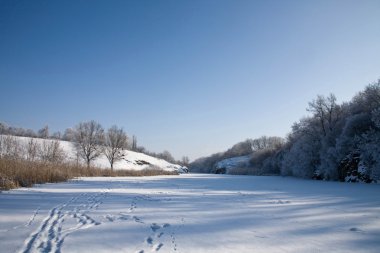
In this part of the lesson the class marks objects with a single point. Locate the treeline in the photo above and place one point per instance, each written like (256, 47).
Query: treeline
(112, 141)
(262, 147)
(336, 142)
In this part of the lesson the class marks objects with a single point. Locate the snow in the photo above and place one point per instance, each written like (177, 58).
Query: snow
(131, 161)
(191, 213)
(234, 162)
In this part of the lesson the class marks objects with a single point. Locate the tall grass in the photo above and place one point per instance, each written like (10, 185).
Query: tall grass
(23, 173)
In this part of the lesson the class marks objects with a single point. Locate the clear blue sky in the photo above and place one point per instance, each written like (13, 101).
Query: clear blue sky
(191, 77)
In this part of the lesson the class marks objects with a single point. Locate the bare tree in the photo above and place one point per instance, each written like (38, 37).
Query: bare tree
(326, 111)
(115, 143)
(51, 151)
(1, 143)
(32, 149)
(185, 161)
(88, 137)
(134, 143)
(11, 147)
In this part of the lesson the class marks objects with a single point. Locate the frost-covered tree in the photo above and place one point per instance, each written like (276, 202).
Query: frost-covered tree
(370, 147)
(88, 138)
(267, 143)
(44, 132)
(303, 157)
(115, 143)
(326, 111)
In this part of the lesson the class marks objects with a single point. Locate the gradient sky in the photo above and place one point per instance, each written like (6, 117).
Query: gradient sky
(191, 77)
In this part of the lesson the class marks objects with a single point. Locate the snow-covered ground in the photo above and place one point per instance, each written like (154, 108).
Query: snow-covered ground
(191, 213)
(233, 163)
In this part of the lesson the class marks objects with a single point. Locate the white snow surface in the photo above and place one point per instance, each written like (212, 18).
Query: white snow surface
(234, 162)
(191, 213)
(131, 161)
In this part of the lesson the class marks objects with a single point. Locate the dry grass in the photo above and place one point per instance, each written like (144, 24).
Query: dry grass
(22, 173)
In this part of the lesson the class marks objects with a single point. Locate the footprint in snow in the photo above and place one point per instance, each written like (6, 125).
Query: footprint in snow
(137, 219)
(280, 202)
(149, 240)
(358, 230)
(158, 246)
(110, 218)
(155, 227)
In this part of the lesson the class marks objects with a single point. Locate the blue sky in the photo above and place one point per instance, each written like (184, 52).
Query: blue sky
(191, 77)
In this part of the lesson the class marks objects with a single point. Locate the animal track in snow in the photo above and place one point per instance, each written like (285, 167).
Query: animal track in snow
(358, 230)
(280, 202)
(49, 237)
(158, 247)
(155, 227)
(153, 241)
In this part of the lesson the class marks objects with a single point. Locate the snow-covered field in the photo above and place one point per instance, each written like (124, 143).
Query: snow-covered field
(191, 213)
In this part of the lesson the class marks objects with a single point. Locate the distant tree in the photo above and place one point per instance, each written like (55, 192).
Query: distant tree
(30, 133)
(265, 142)
(88, 138)
(141, 149)
(69, 134)
(134, 143)
(3, 128)
(167, 156)
(115, 143)
(185, 160)
(239, 149)
(57, 135)
(44, 132)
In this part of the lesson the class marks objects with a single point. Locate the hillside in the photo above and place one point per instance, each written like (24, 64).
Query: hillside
(131, 161)
(226, 166)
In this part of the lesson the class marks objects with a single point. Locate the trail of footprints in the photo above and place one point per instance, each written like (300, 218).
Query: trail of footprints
(153, 241)
(50, 236)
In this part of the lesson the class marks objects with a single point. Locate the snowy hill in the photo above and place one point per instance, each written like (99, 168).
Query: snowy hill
(132, 160)
(225, 165)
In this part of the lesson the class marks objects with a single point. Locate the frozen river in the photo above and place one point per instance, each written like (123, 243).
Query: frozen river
(191, 213)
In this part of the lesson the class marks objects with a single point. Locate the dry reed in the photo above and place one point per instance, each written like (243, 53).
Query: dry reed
(23, 173)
